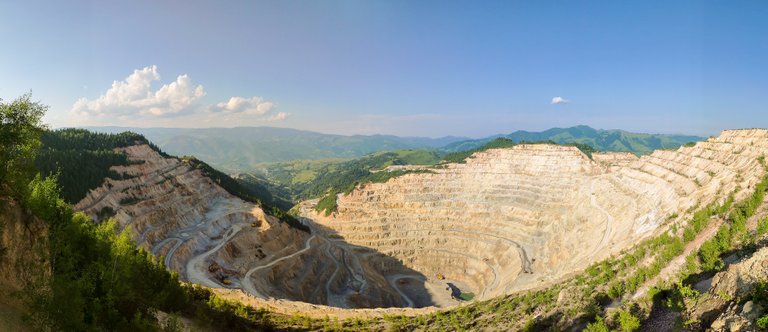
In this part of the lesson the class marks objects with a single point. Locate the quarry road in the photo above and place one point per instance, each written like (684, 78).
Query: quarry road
(331, 298)
(183, 234)
(393, 278)
(169, 254)
(248, 284)
(608, 223)
(359, 277)
(197, 272)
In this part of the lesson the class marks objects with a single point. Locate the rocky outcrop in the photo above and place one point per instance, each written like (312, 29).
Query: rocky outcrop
(23, 247)
(728, 305)
(24, 262)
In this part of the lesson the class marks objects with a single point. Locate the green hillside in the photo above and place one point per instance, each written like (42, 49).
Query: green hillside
(82, 159)
(304, 179)
(602, 140)
(244, 148)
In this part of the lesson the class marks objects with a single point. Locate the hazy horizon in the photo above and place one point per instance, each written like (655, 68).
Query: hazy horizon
(384, 134)
(426, 69)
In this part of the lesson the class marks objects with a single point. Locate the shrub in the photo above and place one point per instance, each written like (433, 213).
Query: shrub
(597, 326)
(327, 203)
(762, 322)
(628, 322)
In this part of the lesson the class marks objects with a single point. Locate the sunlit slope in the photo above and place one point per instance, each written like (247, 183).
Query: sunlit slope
(510, 219)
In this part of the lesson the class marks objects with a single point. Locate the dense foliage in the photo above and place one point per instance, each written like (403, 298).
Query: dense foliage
(82, 159)
(306, 179)
(20, 130)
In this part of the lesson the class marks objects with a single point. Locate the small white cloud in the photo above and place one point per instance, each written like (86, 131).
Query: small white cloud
(559, 100)
(253, 105)
(280, 116)
(134, 95)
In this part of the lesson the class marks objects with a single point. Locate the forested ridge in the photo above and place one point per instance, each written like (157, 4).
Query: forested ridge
(82, 159)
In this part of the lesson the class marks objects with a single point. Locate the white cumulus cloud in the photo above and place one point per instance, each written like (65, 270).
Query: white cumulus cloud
(134, 101)
(135, 95)
(559, 100)
(253, 105)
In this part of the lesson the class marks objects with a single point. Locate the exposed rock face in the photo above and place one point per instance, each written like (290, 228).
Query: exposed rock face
(741, 277)
(510, 219)
(176, 212)
(613, 159)
(23, 247)
(218, 240)
(24, 262)
(723, 307)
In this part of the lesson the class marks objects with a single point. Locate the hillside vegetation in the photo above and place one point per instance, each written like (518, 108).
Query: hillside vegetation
(242, 149)
(82, 159)
(310, 179)
(602, 140)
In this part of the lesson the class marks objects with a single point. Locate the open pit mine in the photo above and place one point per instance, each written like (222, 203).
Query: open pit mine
(505, 221)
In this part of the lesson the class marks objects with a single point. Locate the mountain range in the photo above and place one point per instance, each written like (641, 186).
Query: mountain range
(600, 139)
(243, 149)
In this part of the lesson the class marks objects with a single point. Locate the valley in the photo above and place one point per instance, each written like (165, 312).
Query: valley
(506, 221)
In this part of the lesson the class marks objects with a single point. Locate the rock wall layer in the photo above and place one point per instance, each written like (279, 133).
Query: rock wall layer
(512, 219)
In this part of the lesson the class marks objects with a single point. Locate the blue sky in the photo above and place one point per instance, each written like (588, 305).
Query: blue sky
(421, 68)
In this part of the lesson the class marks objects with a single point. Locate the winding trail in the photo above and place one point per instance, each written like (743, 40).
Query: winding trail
(359, 277)
(248, 284)
(330, 299)
(394, 277)
(677, 263)
(171, 251)
(608, 223)
(197, 272)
